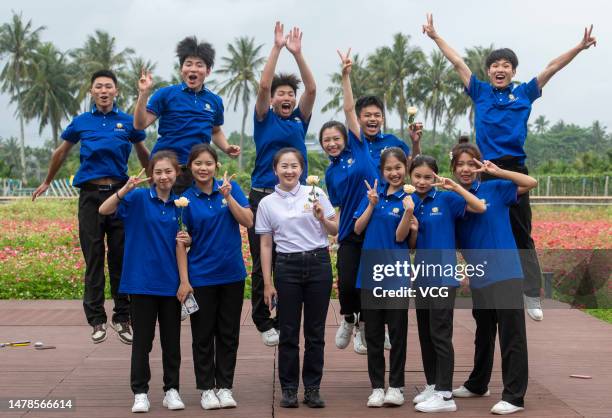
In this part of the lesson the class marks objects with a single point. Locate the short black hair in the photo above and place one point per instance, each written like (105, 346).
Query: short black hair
(333, 124)
(285, 79)
(104, 73)
(366, 101)
(421, 159)
(189, 47)
(502, 54)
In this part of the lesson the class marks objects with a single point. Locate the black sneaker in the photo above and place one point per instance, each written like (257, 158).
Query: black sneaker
(312, 398)
(99, 333)
(289, 399)
(123, 331)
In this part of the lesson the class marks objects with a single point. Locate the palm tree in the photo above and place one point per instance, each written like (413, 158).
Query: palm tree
(98, 53)
(17, 42)
(435, 80)
(241, 70)
(48, 94)
(359, 82)
(541, 123)
(128, 82)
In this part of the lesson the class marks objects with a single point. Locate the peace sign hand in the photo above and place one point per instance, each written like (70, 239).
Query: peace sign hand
(226, 187)
(347, 62)
(132, 183)
(486, 167)
(428, 28)
(372, 192)
(587, 39)
(293, 41)
(445, 183)
(145, 82)
(279, 37)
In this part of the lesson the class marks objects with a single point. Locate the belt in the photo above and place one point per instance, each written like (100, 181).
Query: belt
(91, 187)
(262, 190)
(322, 250)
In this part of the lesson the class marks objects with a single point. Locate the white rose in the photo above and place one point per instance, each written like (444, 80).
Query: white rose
(312, 180)
(409, 188)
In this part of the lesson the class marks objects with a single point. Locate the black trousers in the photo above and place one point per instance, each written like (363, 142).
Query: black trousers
(347, 264)
(146, 311)
(302, 280)
(215, 329)
(512, 340)
(435, 323)
(259, 311)
(93, 228)
(397, 322)
(520, 219)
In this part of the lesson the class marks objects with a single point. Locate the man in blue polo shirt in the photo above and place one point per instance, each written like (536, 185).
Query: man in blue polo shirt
(188, 113)
(278, 124)
(371, 113)
(502, 110)
(106, 135)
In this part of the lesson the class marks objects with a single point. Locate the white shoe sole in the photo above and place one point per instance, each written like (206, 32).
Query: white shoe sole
(229, 406)
(375, 405)
(393, 403)
(441, 409)
(471, 395)
(140, 410)
(174, 408)
(508, 412)
(100, 341)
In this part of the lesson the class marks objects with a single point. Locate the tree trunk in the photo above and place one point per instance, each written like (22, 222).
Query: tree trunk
(244, 118)
(435, 124)
(22, 150)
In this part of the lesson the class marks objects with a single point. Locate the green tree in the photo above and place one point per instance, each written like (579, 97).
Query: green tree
(18, 40)
(435, 80)
(48, 95)
(128, 82)
(541, 123)
(240, 69)
(359, 82)
(98, 53)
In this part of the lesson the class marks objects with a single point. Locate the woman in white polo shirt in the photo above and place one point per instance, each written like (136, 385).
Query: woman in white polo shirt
(298, 219)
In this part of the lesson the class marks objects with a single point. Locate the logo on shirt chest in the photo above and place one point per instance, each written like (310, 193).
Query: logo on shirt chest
(223, 202)
(435, 211)
(207, 107)
(512, 97)
(119, 127)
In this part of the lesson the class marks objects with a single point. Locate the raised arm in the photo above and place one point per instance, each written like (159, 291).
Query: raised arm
(453, 56)
(294, 45)
(347, 91)
(57, 159)
(264, 94)
(142, 118)
(558, 63)
(362, 222)
(523, 181)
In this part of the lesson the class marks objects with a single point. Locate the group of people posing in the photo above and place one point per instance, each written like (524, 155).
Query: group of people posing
(180, 237)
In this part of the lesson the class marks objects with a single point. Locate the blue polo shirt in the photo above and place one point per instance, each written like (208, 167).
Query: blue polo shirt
(149, 260)
(380, 232)
(185, 118)
(381, 142)
(501, 117)
(344, 180)
(270, 135)
(486, 238)
(437, 214)
(106, 143)
(215, 256)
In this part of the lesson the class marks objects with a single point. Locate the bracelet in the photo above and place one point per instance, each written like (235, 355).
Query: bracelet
(118, 197)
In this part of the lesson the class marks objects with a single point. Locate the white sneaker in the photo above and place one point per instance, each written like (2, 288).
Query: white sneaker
(141, 403)
(437, 403)
(209, 400)
(359, 342)
(534, 308)
(226, 400)
(173, 400)
(387, 341)
(270, 337)
(377, 398)
(343, 335)
(425, 394)
(394, 396)
(463, 392)
(505, 408)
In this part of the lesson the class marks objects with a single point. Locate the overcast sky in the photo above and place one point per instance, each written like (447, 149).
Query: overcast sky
(538, 31)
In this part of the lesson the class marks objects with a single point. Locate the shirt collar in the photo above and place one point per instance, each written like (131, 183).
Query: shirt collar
(153, 194)
(475, 186)
(94, 110)
(198, 192)
(184, 87)
(284, 194)
(382, 192)
(345, 153)
(508, 89)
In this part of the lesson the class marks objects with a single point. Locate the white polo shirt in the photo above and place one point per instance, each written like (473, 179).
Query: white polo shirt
(288, 217)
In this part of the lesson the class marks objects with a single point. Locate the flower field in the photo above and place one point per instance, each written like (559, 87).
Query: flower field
(40, 257)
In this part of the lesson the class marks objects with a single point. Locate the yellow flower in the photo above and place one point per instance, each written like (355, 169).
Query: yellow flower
(312, 180)
(181, 202)
(409, 188)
